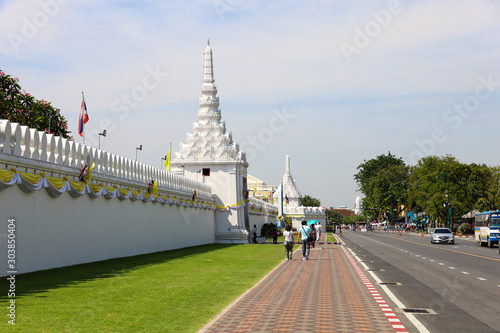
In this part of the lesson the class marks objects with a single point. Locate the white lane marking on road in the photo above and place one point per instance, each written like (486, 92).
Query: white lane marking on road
(418, 325)
(452, 267)
(441, 263)
(482, 279)
(465, 272)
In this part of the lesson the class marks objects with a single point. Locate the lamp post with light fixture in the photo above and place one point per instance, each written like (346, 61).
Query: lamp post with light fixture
(136, 149)
(447, 193)
(103, 134)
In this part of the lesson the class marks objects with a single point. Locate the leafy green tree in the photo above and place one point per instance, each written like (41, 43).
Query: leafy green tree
(488, 199)
(383, 181)
(309, 201)
(468, 186)
(19, 106)
(333, 216)
(354, 219)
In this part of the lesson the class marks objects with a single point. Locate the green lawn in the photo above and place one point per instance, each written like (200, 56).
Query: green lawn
(172, 291)
(332, 238)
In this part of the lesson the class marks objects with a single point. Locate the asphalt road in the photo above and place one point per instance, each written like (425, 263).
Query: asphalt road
(460, 283)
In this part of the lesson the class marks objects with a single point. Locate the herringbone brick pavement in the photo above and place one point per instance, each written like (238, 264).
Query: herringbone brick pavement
(323, 294)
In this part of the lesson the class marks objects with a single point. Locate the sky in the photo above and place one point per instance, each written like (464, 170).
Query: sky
(332, 83)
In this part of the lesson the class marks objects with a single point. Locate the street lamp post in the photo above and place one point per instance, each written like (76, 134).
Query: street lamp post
(447, 193)
(136, 149)
(103, 134)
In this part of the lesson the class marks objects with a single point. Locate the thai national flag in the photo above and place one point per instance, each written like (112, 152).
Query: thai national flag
(83, 118)
(82, 173)
(286, 198)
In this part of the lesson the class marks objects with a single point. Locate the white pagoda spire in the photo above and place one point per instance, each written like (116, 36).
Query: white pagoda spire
(287, 166)
(209, 140)
(290, 189)
(208, 68)
(357, 205)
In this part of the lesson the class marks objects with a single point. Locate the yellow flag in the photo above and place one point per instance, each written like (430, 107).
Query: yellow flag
(89, 174)
(167, 161)
(155, 187)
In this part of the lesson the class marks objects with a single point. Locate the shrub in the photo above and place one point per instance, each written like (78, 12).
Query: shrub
(464, 229)
(266, 229)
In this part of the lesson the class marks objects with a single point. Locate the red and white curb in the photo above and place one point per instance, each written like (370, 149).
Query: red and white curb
(393, 319)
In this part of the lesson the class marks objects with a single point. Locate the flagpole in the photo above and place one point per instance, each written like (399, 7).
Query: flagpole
(83, 103)
(282, 212)
(168, 157)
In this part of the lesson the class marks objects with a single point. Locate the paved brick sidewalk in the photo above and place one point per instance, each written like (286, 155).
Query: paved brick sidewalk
(327, 293)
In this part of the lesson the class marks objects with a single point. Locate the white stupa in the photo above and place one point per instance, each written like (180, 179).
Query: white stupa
(209, 155)
(209, 140)
(294, 209)
(357, 205)
(290, 190)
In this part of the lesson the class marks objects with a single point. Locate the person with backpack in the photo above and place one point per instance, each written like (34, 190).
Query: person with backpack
(305, 233)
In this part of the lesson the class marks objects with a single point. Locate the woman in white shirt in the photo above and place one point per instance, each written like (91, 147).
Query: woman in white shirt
(288, 234)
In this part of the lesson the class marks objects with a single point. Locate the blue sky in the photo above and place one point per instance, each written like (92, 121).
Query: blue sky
(332, 83)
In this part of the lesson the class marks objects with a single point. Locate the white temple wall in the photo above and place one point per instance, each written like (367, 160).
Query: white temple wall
(298, 214)
(55, 232)
(65, 230)
(260, 213)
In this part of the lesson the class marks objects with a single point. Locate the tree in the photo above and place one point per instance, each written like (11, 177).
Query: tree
(333, 216)
(353, 219)
(309, 201)
(488, 198)
(383, 181)
(468, 187)
(19, 106)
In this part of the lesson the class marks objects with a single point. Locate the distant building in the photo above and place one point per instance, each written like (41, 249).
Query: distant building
(344, 211)
(260, 190)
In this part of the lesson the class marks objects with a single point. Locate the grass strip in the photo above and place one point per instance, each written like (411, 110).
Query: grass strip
(172, 291)
(331, 238)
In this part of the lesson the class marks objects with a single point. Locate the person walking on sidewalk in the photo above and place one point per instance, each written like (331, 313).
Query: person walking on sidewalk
(288, 234)
(312, 231)
(319, 230)
(306, 244)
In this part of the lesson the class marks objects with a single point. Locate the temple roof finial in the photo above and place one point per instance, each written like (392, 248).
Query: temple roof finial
(208, 43)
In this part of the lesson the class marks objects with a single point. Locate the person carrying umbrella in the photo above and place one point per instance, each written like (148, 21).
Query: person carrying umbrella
(311, 224)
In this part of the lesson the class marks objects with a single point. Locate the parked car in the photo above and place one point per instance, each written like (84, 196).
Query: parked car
(442, 235)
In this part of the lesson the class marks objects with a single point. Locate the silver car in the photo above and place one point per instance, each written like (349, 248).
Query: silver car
(442, 235)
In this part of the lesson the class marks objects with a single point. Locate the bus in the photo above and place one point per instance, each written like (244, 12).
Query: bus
(487, 228)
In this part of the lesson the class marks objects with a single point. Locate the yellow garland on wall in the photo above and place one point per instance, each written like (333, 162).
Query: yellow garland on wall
(58, 186)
